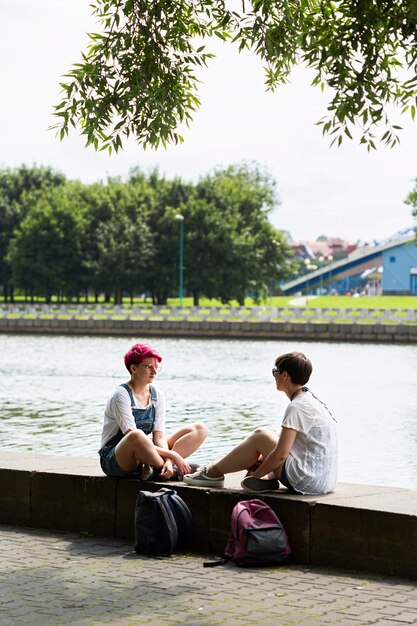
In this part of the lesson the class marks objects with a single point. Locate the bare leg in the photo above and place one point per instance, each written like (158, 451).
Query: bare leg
(188, 439)
(261, 442)
(136, 448)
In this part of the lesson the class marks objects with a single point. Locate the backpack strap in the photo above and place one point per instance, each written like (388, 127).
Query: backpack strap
(184, 511)
(170, 522)
(225, 559)
(153, 395)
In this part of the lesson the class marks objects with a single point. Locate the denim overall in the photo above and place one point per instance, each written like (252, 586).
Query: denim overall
(144, 419)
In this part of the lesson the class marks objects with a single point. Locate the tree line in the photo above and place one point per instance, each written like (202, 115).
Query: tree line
(68, 240)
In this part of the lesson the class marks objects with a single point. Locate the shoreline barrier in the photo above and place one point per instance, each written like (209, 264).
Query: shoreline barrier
(366, 332)
(358, 527)
(253, 314)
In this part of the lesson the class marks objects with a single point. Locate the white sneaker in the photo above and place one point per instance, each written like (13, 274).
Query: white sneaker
(200, 478)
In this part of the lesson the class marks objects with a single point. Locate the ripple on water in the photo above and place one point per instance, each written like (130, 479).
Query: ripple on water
(53, 391)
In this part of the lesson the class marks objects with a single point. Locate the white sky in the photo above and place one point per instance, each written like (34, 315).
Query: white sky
(343, 192)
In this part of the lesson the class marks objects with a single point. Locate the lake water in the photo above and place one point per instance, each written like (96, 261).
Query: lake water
(53, 391)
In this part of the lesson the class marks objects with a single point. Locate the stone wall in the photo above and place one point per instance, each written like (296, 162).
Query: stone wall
(301, 331)
(362, 527)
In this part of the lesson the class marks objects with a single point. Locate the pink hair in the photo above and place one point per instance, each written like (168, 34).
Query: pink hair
(138, 353)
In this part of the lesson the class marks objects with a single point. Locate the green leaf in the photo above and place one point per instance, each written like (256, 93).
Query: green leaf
(142, 59)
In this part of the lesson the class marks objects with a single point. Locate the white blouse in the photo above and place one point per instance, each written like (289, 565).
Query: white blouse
(118, 413)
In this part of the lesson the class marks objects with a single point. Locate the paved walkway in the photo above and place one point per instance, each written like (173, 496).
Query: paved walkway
(54, 578)
(301, 301)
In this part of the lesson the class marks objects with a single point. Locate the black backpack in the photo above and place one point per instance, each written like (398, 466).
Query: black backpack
(162, 522)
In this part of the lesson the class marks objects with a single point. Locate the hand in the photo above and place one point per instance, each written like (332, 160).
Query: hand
(167, 470)
(251, 471)
(182, 465)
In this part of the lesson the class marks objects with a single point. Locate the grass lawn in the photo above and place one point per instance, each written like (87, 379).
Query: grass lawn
(282, 302)
(364, 302)
(321, 302)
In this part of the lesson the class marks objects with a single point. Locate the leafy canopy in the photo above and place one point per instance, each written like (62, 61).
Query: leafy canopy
(139, 74)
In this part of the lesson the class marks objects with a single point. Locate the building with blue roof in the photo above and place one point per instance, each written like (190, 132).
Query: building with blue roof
(397, 256)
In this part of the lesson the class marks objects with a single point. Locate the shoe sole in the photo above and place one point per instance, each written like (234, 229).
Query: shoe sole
(253, 484)
(203, 483)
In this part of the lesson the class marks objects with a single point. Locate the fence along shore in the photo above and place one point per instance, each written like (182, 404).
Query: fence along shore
(263, 322)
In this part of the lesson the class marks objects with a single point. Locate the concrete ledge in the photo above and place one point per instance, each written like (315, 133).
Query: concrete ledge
(361, 527)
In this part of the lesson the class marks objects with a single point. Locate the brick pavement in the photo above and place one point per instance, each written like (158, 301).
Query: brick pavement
(51, 579)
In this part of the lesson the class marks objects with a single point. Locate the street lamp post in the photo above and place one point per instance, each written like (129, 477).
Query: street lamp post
(310, 268)
(330, 259)
(180, 219)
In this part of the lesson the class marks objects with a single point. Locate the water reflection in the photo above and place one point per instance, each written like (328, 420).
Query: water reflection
(53, 390)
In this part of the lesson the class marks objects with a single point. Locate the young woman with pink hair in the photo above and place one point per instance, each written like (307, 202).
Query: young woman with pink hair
(135, 410)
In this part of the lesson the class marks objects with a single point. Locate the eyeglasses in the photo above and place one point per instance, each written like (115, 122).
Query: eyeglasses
(275, 372)
(152, 368)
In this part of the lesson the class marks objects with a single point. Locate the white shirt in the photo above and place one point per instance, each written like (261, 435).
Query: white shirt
(118, 413)
(312, 464)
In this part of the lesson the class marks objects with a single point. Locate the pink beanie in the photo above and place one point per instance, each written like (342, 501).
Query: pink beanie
(138, 353)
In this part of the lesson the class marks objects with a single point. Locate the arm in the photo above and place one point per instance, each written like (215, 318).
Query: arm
(119, 409)
(279, 454)
(159, 439)
(170, 456)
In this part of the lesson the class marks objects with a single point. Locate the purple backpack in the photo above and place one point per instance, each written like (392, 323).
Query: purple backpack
(256, 538)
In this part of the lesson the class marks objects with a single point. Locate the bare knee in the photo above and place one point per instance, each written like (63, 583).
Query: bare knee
(259, 432)
(135, 439)
(201, 430)
(136, 435)
(135, 447)
(263, 435)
